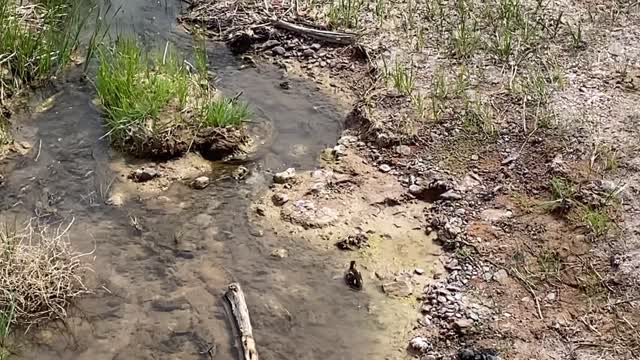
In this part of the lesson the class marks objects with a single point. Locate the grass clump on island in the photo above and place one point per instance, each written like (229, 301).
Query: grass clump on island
(157, 105)
(40, 274)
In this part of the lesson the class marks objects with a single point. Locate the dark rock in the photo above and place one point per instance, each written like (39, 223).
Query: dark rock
(308, 53)
(353, 242)
(284, 85)
(270, 44)
(143, 175)
(279, 199)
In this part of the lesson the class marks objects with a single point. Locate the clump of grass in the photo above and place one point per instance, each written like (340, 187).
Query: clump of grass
(403, 78)
(478, 117)
(40, 274)
(345, 13)
(36, 41)
(6, 319)
(153, 100)
(224, 112)
(597, 221)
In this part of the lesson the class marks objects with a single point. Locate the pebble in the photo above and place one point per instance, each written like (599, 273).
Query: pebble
(403, 150)
(419, 271)
(143, 175)
(285, 177)
(280, 253)
(308, 53)
(501, 276)
(400, 288)
(316, 46)
(200, 182)
(278, 50)
(385, 168)
(450, 195)
(420, 344)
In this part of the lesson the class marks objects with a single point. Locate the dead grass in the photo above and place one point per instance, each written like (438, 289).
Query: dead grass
(40, 273)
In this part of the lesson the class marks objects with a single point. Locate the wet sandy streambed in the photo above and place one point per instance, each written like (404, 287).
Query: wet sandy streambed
(159, 288)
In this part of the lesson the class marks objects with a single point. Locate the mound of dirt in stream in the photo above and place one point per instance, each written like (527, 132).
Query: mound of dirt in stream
(211, 143)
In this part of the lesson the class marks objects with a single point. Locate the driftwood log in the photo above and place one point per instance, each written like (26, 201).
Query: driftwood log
(235, 296)
(324, 35)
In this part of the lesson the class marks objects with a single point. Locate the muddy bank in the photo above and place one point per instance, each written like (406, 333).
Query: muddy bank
(507, 116)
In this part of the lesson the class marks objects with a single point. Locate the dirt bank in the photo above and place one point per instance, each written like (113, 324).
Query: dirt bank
(515, 121)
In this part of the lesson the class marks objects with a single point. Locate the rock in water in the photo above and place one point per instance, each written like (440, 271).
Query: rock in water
(200, 183)
(353, 242)
(285, 177)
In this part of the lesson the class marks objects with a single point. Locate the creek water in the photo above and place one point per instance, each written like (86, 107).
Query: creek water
(160, 298)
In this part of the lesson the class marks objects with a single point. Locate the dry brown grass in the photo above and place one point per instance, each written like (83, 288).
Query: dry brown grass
(40, 273)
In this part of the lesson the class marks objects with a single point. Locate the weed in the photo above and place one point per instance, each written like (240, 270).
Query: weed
(344, 13)
(440, 85)
(549, 263)
(597, 221)
(477, 117)
(420, 39)
(403, 78)
(438, 108)
(464, 37)
(224, 113)
(419, 102)
(462, 80)
(577, 40)
(6, 319)
(562, 189)
(201, 59)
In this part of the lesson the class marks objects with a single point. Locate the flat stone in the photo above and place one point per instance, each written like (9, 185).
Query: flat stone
(305, 213)
(385, 168)
(493, 215)
(450, 195)
(501, 276)
(200, 182)
(463, 323)
(316, 46)
(270, 43)
(285, 177)
(419, 271)
(400, 288)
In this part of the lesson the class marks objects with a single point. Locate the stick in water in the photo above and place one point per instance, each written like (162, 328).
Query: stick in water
(235, 296)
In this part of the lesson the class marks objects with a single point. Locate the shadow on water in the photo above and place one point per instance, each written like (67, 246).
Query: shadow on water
(159, 288)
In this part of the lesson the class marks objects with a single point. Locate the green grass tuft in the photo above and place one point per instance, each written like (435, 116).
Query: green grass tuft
(224, 113)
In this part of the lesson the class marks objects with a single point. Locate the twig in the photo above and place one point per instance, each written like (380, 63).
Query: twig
(527, 286)
(620, 302)
(39, 149)
(327, 36)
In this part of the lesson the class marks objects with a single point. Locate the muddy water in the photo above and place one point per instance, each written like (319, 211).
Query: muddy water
(158, 287)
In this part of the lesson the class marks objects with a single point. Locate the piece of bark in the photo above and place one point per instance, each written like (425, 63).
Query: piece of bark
(235, 296)
(326, 36)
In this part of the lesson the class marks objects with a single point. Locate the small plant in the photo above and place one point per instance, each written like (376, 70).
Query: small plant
(549, 263)
(440, 85)
(6, 319)
(561, 189)
(462, 80)
(420, 39)
(597, 221)
(577, 39)
(381, 10)
(201, 60)
(344, 13)
(419, 102)
(403, 78)
(477, 117)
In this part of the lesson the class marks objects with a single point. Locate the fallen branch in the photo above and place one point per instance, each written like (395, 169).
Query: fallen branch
(326, 36)
(527, 286)
(235, 296)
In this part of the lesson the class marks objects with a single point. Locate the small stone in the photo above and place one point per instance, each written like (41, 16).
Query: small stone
(270, 43)
(419, 271)
(475, 157)
(551, 297)
(487, 276)
(143, 175)
(286, 177)
(339, 150)
(400, 288)
(284, 85)
(501, 276)
(315, 46)
(463, 323)
(415, 189)
(278, 50)
(347, 140)
(279, 199)
(420, 344)
(200, 182)
(260, 210)
(385, 168)
(450, 195)
(493, 215)
(308, 53)
(403, 150)
(280, 253)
